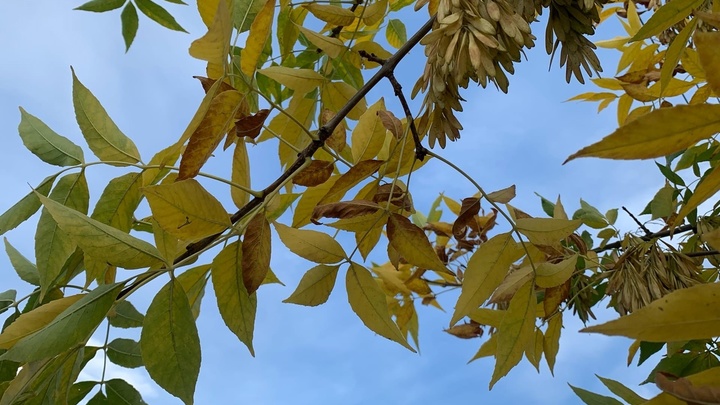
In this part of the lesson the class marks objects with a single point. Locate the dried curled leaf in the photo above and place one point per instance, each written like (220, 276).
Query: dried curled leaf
(344, 209)
(470, 208)
(251, 125)
(391, 123)
(683, 389)
(315, 174)
(466, 331)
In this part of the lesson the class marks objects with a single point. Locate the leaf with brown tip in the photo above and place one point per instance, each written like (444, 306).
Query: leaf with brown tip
(315, 174)
(344, 209)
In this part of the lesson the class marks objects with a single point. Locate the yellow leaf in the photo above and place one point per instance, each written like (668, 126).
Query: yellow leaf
(658, 133)
(299, 80)
(674, 52)
(356, 174)
(240, 174)
(369, 303)
(607, 83)
(591, 96)
(625, 102)
(375, 12)
(489, 348)
(256, 252)
(666, 319)
(186, 210)
(691, 63)
(534, 349)
(215, 44)
(207, 9)
(282, 126)
(315, 246)
(551, 341)
(546, 231)
(255, 43)
(369, 133)
(706, 378)
(614, 43)
(712, 238)
(331, 14)
(486, 269)
(708, 187)
(503, 196)
(708, 49)
(333, 47)
(395, 33)
(665, 17)
(412, 244)
(207, 136)
(309, 200)
(633, 19)
(453, 205)
(515, 330)
(486, 316)
(336, 94)
(553, 274)
(168, 245)
(31, 322)
(315, 286)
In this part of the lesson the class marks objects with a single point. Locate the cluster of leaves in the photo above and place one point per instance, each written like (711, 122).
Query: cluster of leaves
(347, 169)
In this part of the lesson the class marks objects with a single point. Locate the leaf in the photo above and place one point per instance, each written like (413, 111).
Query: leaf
(101, 6)
(331, 14)
(485, 270)
(551, 343)
(592, 398)
(368, 301)
(25, 269)
(251, 125)
(205, 138)
(395, 33)
(412, 244)
(194, 281)
(121, 392)
(368, 135)
(130, 23)
(245, 12)
(301, 81)
(256, 252)
(658, 133)
(684, 390)
(309, 200)
(214, 46)
(102, 135)
(333, 47)
(315, 286)
(46, 144)
(345, 209)
(316, 173)
(102, 241)
(359, 172)
(336, 94)
(33, 321)
(26, 207)
(674, 52)
(375, 12)
(255, 43)
(53, 246)
(622, 391)
(488, 348)
(391, 123)
(315, 246)
(118, 202)
(158, 14)
(72, 326)
(665, 17)
(516, 329)
(666, 320)
(125, 353)
(553, 274)
(124, 315)
(470, 207)
(503, 196)
(170, 344)
(236, 306)
(546, 231)
(707, 48)
(186, 210)
(79, 391)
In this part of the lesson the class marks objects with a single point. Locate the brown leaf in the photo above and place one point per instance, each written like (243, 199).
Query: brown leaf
(344, 209)
(338, 139)
(350, 179)
(470, 208)
(315, 174)
(206, 83)
(391, 123)
(399, 196)
(256, 252)
(439, 228)
(251, 125)
(466, 331)
(634, 77)
(554, 296)
(684, 390)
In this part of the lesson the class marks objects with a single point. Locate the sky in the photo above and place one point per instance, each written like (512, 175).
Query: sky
(321, 355)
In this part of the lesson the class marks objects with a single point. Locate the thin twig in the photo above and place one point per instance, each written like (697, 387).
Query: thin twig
(661, 234)
(640, 224)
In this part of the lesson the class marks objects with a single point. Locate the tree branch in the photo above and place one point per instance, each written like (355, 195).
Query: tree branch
(647, 237)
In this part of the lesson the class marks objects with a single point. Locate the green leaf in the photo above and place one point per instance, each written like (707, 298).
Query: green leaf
(395, 33)
(244, 13)
(23, 267)
(315, 286)
(26, 207)
(118, 202)
(72, 326)
(158, 14)
(101, 6)
(130, 23)
(121, 392)
(665, 17)
(99, 399)
(102, 135)
(79, 391)
(170, 344)
(6, 299)
(124, 315)
(662, 204)
(34, 320)
(670, 174)
(591, 398)
(52, 246)
(622, 391)
(236, 306)
(193, 281)
(103, 241)
(125, 353)
(46, 144)
(368, 301)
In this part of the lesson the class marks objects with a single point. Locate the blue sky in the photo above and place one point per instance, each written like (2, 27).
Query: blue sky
(321, 355)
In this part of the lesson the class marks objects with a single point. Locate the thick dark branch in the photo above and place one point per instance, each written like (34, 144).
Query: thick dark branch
(661, 234)
(323, 134)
